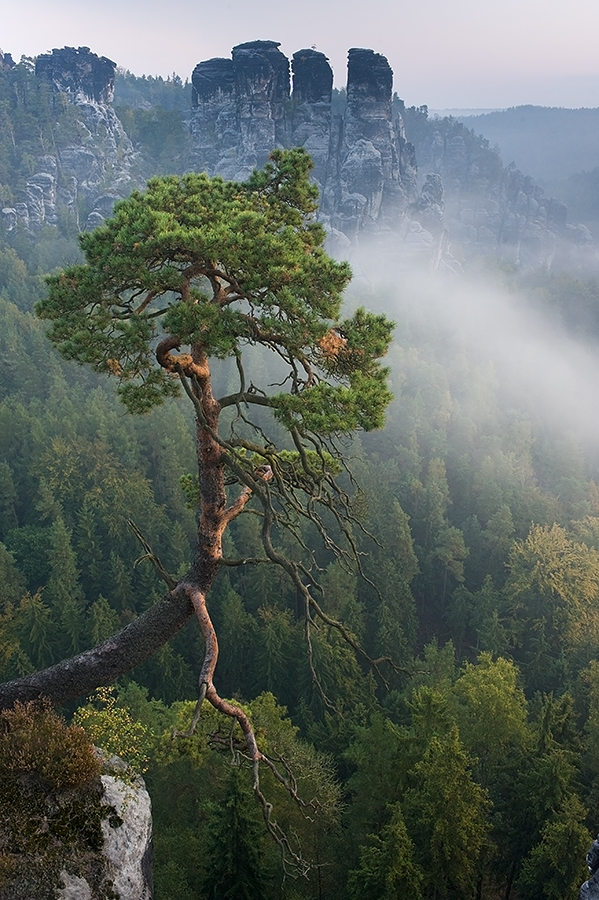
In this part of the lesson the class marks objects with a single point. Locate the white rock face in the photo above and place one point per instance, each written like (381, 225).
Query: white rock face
(128, 847)
(127, 851)
(75, 888)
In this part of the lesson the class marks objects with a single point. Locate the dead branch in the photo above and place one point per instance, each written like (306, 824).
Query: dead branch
(168, 579)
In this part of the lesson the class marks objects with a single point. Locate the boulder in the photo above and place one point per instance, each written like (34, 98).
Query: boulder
(128, 846)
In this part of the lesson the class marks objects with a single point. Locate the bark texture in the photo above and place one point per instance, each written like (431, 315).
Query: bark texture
(80, 675)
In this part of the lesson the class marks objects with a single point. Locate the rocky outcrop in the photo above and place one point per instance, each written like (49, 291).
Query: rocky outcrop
(75, 824)
(590, 889)
(310, 124)
(128, 847)
(78, 73)
(92, 158)
(239, 108)
(491, 210)
(439, 195)
(509, 217)
(261, 74)
(369, 190)
(6, 60)
(213, 123)
(363, 164)
(125, 859)
(432, 193)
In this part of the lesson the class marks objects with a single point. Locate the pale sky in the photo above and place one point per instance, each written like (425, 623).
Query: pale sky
(444, 53)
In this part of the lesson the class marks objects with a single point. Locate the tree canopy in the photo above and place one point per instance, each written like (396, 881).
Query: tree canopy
(218, 265)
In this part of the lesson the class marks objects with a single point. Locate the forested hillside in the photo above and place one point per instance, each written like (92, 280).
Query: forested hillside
(549, 143)
(465, 768)
(557, 146)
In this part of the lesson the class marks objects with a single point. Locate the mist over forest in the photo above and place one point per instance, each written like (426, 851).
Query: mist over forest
(463, 763)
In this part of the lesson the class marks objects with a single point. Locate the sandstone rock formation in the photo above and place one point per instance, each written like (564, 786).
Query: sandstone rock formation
(427, 191)
(126, 856)
(6, 60)
(430, 198)
(84, 838)
(92, 161)
(368, 190)
(310, 124)
(78, 73)
(590, 888)
(363, 164)
(491, 210)
(240, 108)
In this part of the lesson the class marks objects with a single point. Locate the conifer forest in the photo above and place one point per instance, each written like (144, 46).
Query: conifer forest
(394, 533)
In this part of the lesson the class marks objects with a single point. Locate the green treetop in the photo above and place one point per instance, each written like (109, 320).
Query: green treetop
(217, 266)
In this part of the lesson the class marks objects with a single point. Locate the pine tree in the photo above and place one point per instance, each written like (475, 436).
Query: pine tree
(234, 869)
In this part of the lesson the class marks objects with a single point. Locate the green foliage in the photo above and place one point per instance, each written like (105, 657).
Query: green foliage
(160, 134)
(552, 590)
(12, 582)
(110, 727)
(201, 797)
(16, 284)
(491, 712)
(554, 868)
(450, 492)
(234, 870)
(448, 814)
(223, 265)
(387, 867)
(133, 92)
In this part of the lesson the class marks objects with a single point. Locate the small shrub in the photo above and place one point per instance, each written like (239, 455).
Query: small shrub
(34, 740)
(112, 728)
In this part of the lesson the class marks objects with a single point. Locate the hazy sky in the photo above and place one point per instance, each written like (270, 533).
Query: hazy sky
(445, 53)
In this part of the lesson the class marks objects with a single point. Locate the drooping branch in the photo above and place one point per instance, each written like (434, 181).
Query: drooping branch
(294, 571)
(290, 857)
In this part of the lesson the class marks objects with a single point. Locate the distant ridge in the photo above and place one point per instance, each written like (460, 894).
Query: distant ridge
(463, 113)
(550, 143)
